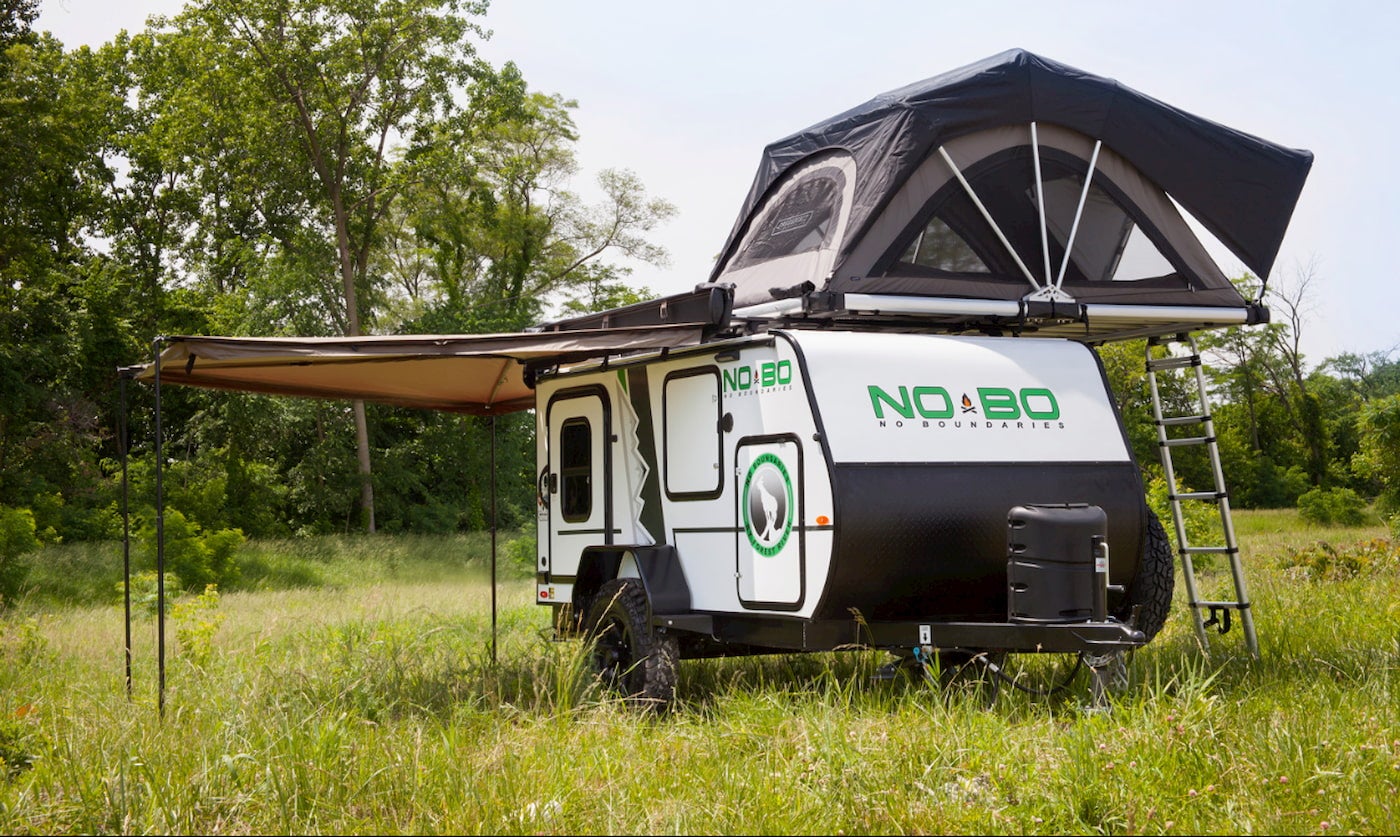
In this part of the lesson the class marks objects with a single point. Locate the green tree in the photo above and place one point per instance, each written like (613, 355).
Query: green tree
(63, 322)
(331, 85)
(16, 20)
(1379, 455)
(489, 232)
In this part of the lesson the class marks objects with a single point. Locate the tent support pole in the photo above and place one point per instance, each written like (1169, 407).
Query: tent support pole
(126, 528)
(1078, 213)
(967, 187)
(160, 541)
(1040, 203)
(493, 540)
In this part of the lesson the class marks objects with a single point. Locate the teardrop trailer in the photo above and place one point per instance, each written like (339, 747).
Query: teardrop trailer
(807, 490)
(881, 423)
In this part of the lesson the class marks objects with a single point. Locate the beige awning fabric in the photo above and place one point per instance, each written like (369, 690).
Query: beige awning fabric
(481, 374)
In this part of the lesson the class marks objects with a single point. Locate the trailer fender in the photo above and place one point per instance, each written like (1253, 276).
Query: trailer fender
(658, 567)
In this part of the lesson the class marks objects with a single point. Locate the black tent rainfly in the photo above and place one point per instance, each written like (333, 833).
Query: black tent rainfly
(962, 195)
(1015, 195)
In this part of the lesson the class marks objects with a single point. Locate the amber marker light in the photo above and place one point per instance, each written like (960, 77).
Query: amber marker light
(823, 520)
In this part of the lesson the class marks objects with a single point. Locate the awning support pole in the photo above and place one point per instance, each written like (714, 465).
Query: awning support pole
(967, 187)
(126, 528)
(160, 540)
(493, 540)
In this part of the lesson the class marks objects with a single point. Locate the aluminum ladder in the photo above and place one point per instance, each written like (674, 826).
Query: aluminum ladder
(1182, 354)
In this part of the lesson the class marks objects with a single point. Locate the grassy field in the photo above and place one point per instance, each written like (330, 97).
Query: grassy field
(350, 690)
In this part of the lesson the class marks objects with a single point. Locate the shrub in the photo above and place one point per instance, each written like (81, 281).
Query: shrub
(17, 539)
(197, 558)
(1324, 562)
(1202, 520)
(521, 554)
(145, 592)
(196, 622)
(15, 754)
(21, 643)
(1273, 487)
(1332, 507)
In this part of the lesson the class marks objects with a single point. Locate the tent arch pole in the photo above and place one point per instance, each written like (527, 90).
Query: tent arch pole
(1078, 213)
(967, 187)
(1040, 205)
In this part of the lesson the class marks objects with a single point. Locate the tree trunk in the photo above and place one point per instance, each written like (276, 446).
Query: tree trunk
(362, 451)
(352, 322)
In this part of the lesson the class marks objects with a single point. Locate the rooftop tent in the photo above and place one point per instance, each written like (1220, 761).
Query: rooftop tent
(973, 186)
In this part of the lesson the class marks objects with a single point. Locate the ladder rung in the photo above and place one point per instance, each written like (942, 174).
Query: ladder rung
(1177, 421)
(1199, 495)
(1187, 440)
(1226, 605)
(1173, 362)
(1210, 550)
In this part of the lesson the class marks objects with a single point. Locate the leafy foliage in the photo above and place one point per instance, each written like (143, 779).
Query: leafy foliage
(197, 558)
(1322, 561)
(1201, 520)
(1328, 506)
(197, 620)
(16, 540)
(1379, 454)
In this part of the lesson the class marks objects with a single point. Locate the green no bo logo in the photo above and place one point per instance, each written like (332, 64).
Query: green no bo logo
(928, 402)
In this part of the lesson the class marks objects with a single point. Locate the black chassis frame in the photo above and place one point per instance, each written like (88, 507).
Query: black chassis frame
(722, 635)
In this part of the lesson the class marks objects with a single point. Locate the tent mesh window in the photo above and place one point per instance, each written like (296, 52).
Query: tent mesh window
(801, 220)
(951, 235)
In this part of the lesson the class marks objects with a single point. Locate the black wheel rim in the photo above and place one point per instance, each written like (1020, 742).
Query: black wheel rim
(612, 653)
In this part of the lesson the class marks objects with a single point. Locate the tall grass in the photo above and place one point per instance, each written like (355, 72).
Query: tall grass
(365, 700)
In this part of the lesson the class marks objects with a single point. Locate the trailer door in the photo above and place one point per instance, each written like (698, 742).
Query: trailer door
(580, 502)
(768, 478)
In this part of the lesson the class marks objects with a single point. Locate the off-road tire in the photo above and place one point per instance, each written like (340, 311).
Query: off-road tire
(1154, 583)
(631, 658)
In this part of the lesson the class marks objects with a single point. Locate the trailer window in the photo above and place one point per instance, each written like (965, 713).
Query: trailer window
(576, 470)
(692, 408)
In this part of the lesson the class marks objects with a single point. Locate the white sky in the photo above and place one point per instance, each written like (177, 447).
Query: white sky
(687, 95)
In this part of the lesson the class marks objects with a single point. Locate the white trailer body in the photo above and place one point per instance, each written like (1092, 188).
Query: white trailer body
(765, 489)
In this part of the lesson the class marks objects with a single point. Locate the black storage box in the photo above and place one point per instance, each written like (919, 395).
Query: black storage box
(1056, 566)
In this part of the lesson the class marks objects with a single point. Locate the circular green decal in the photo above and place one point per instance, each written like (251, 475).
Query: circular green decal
(767, 502)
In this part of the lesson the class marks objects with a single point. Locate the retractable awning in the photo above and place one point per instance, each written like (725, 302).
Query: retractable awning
(480, 374)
